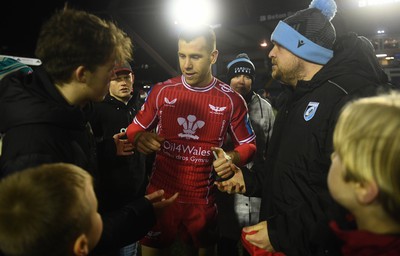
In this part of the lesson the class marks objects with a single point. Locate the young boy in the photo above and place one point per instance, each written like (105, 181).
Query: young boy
(49, 210)
(364, 176)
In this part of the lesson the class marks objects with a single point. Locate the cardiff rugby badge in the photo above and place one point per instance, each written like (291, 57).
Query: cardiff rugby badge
(310, 111)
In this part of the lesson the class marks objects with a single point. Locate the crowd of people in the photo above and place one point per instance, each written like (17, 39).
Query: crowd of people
(228, 174)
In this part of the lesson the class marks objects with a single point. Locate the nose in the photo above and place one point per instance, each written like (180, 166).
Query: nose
(187, 63)
(271, 53)
(241, 79)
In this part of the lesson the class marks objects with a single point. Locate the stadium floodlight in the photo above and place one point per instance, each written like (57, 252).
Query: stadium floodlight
(365, 3)
(191, 13)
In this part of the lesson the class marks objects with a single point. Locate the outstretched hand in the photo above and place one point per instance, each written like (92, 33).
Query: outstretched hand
(160, 203)
(233, 185)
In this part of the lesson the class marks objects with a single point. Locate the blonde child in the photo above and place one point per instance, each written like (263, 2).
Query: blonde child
(364, 176)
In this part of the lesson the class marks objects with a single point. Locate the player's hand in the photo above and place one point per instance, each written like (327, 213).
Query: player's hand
(148, 142)
(222, 163)
(123, 146)
(234, 185)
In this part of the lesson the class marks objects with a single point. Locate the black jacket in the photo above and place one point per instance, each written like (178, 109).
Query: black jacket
(124, 176)
(293, 182)
(41, 127)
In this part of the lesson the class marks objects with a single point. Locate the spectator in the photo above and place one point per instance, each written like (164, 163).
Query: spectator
(123, 175)
(43, 121)
(50, 209)
(237, 211)
(364, 175)
(320, 76)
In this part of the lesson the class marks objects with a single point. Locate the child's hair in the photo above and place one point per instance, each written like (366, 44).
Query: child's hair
(367, 139)
(44, 209)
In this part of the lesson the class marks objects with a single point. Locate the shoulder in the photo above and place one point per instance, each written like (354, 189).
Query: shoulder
(171, 81)
(175, 81)
(350, 84)
(223, 87)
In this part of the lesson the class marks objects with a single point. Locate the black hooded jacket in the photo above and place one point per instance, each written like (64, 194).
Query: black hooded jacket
(39, 126)
(293, 182)
(123, 176)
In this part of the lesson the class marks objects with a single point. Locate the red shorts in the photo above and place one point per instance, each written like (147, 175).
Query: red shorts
(194, 224)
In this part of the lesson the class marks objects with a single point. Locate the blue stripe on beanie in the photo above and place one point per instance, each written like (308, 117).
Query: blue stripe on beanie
(240, 60)
(299, 45)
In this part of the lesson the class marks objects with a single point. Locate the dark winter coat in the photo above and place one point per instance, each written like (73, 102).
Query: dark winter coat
(41, 127)
(123, 176)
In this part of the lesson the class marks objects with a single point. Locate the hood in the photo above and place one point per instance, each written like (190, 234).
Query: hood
(353, 54)
(34, 99)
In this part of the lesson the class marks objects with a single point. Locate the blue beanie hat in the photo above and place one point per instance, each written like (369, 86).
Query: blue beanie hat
(241, 65)
(309, 33)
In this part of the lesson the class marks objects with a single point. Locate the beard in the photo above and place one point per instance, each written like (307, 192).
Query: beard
(288, 73)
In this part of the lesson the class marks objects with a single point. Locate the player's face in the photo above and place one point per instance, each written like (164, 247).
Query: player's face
(241, 83)
(195, 61)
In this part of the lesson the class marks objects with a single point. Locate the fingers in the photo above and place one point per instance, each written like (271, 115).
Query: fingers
(165, 202)
(148, 142)
(156, 195)
(221, 153)
(222, 163)
(119, 135)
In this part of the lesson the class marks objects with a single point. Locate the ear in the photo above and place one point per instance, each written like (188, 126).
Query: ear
(81, 246)
(80, 74)
(366, 192)
(214, 56)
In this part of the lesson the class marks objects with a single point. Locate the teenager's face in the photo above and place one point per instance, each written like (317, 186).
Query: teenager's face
(98, 81)
(241, 83)
(121, 87)
(195, 60)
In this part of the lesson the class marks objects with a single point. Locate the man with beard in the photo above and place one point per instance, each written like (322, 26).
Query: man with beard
(319, 76)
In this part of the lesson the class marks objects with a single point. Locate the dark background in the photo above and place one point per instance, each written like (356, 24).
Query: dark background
(244, 24)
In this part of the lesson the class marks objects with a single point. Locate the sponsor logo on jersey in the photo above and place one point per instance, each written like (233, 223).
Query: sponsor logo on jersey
(170, 102)
(190, 124)
(310, 111)
(216, 110)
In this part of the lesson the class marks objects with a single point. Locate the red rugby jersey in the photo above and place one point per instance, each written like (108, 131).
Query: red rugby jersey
(192, 120)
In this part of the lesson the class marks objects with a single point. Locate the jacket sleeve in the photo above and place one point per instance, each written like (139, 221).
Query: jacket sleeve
(126, 225)
(253, 179)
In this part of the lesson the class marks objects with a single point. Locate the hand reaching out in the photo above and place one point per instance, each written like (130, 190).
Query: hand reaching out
(233, 185)
(159, 201)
